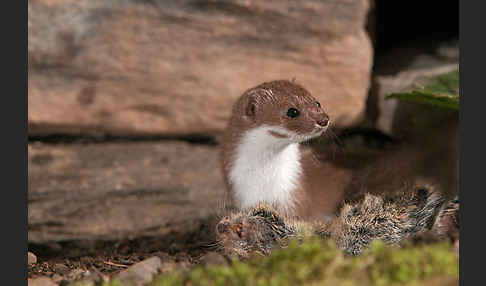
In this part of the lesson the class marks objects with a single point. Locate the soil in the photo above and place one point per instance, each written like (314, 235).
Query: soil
(68, 261)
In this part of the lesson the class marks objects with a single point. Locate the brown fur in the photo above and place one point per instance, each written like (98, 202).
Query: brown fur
(374, 209)
(268, 103)
(256, 230)
(447, 224)
(392, 218)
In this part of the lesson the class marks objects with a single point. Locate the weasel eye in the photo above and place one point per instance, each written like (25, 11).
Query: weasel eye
(292, 112)
(318, 104)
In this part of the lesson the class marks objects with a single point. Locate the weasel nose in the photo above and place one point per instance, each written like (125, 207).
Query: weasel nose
(324, 122)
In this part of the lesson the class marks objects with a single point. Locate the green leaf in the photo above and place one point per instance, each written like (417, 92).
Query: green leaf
(443, 91)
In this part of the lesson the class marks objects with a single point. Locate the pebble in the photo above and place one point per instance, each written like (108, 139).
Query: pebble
(31, 258)
(41, 281)
(168, 266)
(213, 258)
(90, 280)
(141, 273)
(57, 278)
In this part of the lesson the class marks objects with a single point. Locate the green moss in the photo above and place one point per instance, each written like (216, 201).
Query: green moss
(412, 263)
(113, 283)
(318, 262)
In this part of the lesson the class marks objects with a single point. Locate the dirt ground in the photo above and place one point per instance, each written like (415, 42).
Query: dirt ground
(69, 261)
(98, 259)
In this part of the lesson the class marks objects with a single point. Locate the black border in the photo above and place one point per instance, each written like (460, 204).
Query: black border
(14, 140)
(472, 142)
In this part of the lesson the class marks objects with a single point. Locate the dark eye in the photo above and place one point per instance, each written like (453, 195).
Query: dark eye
(318, 104)
(292, 112)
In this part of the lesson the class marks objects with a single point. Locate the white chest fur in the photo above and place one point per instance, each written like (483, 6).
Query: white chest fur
(266, 169)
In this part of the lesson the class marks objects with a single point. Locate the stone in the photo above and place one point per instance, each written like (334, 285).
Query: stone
(140, 273)
(168, 266)
(393, 116)
(31, 258)
(85, 278)
(119, 190)
(213, 258)
(41, 281)
(57, 278)
(175, 68)
(167, 261)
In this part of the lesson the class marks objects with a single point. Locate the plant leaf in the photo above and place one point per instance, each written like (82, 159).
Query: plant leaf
(442, 91)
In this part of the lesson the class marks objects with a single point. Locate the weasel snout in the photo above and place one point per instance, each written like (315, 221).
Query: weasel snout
(324, 122)
(321, 118)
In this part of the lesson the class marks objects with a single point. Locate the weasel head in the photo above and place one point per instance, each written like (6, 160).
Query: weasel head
(292, 112)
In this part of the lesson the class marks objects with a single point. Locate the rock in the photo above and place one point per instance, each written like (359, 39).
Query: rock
(213, 258)
(31, 258)
(164, 256)
(393, 116)
(41, 281)
(120, 190)
(88, 278)
(168, 267)
(167, 261)
(170, 262)
(135, 68)
(141, 272)
(57, 278)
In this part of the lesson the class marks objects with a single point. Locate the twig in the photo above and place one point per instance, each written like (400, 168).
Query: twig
(114, 264)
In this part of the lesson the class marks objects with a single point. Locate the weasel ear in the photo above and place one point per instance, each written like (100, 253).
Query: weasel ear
(250, 108)
(251, 105)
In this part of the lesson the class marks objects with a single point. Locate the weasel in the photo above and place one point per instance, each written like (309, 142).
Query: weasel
(278, 191)
(261, 157)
